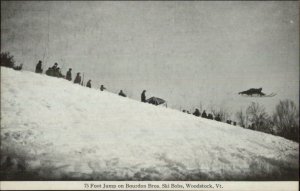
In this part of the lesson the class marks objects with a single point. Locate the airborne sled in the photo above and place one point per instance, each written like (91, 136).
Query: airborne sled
(255, 92)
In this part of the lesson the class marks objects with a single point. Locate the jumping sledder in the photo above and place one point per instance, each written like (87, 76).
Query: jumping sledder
(255, 92)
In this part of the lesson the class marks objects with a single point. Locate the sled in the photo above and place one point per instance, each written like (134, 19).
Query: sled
(156, 101)
(255, 92)
(259, 95)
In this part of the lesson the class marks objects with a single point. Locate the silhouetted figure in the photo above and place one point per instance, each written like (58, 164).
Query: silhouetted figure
(218, 118)
(77, 78)
(58, 73)
(121, 93)
(143, 96)
(102, 88)
(54, 71)
(234, 123)
(69, 74)
(82, 79)
(253, 91)
(38, 68)
(228, 121)
(210, 116)
(204, 114)
(184, 111)
(88, 84)
(54, 67)
(197, 113)
(49, 72)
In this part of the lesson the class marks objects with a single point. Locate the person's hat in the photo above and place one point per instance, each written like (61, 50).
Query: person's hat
(55, 63)
(70, 68)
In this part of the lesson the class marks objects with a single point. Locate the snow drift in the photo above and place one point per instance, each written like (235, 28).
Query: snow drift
(52, 129)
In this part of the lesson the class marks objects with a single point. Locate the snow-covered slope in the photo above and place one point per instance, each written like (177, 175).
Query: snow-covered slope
(54, 129)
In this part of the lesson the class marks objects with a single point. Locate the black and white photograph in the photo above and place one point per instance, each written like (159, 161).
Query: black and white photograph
(185, 91)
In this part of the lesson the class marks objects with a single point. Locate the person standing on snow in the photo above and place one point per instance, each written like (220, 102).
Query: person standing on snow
(77, 79)
(69, 75)
(143, 96)
(197, 113)
(210, 116)
(204, 114)
(218, 118)
(88, 84)
(38, 68)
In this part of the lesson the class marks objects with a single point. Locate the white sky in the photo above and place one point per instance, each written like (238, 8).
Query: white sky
(184, 52)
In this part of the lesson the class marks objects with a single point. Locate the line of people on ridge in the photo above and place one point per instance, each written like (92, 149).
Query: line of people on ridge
(56, 72)
(208, 116)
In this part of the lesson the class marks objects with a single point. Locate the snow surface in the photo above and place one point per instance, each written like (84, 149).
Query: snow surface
(60, 130)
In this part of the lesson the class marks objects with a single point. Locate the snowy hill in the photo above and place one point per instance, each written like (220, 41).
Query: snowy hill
(54, 129)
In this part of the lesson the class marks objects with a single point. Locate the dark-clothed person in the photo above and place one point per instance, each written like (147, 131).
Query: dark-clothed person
(143, 96)
(77, 78)
(204, 114)
(69, 74)
(58, 73)
(38, 68)
(197, 112)
(218, 118)
(49, 72)
(88, 84)
(210, 116)
(54, 67)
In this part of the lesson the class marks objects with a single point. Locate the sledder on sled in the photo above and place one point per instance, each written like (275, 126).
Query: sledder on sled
(255, 92)
(156, 101)
(54, 73)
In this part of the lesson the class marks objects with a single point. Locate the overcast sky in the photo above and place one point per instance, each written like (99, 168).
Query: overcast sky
(184, 52)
